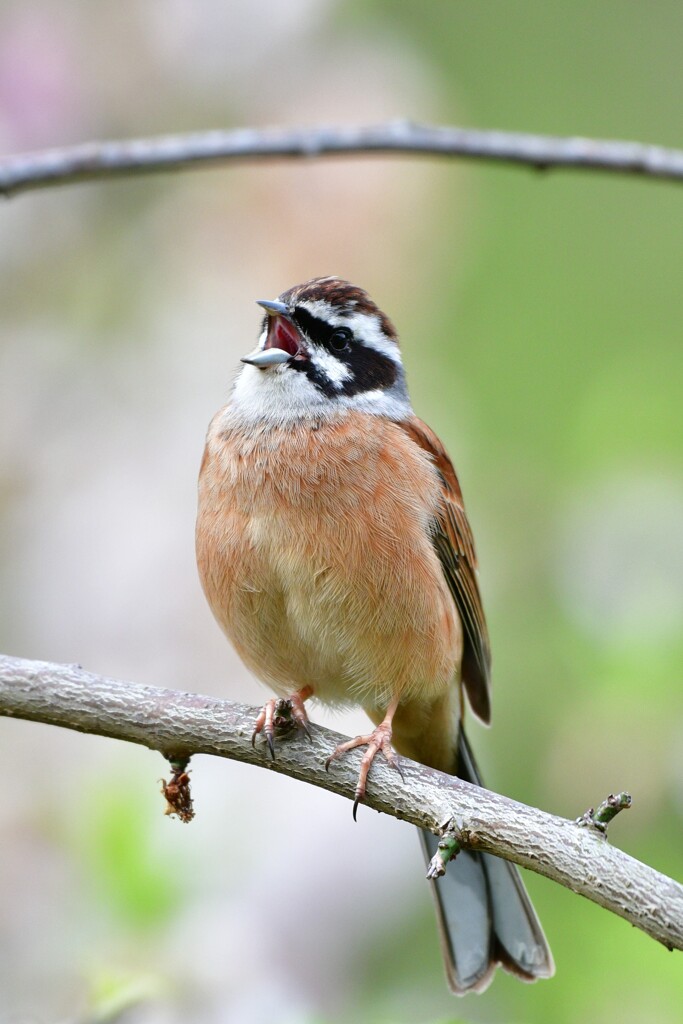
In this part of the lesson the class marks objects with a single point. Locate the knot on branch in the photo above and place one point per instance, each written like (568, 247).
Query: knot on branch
(448, 849)
(608, 809)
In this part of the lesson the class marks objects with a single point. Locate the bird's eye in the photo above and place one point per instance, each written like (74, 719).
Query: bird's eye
(339, 340)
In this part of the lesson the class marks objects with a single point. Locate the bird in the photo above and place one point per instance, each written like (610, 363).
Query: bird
(334, 551)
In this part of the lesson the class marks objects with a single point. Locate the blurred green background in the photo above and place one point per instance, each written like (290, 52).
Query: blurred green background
(541, 326)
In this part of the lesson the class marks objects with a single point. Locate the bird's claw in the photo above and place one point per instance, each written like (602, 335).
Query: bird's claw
(279, 712)
(265, 723)
(378, 739)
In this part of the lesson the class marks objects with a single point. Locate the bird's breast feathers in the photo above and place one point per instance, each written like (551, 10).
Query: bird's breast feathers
(315, 553)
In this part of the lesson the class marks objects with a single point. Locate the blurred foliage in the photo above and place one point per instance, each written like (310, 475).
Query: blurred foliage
(118, 843)
(114, 997)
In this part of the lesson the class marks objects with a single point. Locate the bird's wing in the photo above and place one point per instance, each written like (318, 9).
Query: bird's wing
(454, 544)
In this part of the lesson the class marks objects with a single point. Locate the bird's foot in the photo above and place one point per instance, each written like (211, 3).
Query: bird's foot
(280, 712)
(378, 739)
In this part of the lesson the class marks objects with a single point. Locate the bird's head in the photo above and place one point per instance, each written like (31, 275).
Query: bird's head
(325, 348)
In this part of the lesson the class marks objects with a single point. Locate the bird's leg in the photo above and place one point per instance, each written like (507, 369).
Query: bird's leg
(378, 739)
(278, 711)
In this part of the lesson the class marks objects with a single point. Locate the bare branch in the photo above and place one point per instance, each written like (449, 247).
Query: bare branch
(181, 724)
(102, 160)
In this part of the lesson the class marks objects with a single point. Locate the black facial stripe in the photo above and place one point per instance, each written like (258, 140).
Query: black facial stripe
(369, 368)
(319, 331)
(316, 376)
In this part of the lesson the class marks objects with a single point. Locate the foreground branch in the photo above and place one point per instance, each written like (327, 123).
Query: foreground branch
(181, 724)
(100, 160)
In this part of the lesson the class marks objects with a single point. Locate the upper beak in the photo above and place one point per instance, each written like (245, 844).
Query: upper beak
(273, 307)
(283, 341)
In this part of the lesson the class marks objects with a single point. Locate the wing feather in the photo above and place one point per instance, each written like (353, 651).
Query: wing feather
(454, 544)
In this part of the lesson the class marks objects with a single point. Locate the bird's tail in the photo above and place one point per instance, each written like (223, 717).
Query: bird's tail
(485, 915)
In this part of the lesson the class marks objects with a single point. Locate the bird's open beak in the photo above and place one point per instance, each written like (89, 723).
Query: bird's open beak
(283, 341)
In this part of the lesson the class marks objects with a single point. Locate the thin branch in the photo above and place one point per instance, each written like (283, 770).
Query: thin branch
(101, 160)
(181, 724)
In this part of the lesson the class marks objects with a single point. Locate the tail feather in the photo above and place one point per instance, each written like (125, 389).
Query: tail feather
(485, 916)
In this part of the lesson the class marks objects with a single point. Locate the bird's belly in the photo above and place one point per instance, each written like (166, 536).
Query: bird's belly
(298, 620)
(282, 620)
(330, 582)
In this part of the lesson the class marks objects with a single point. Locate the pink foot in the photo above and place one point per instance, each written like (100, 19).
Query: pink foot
(280, 711)
(378, 739)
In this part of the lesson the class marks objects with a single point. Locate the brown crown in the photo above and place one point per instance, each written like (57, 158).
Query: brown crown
(343, 296)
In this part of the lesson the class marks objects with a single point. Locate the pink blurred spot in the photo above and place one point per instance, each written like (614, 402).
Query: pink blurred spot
(39, 101)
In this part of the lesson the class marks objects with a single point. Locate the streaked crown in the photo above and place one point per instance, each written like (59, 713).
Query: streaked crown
(341, 299)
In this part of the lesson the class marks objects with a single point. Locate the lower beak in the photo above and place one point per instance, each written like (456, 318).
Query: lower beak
(266, 357)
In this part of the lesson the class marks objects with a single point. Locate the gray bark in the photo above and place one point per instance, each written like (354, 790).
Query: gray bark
(101, 160)
(181, 724)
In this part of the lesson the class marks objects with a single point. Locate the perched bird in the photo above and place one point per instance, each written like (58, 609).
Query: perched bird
(335, 553)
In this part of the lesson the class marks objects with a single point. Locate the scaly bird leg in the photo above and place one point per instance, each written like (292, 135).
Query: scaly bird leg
(279, 711)
(378, 739)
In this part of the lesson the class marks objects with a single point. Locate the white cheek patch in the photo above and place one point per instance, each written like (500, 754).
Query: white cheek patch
(334, 369)
(374, 396)
(365, 326)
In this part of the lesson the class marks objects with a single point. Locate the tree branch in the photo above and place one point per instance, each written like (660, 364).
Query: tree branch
(181, 724)
(101, 160)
